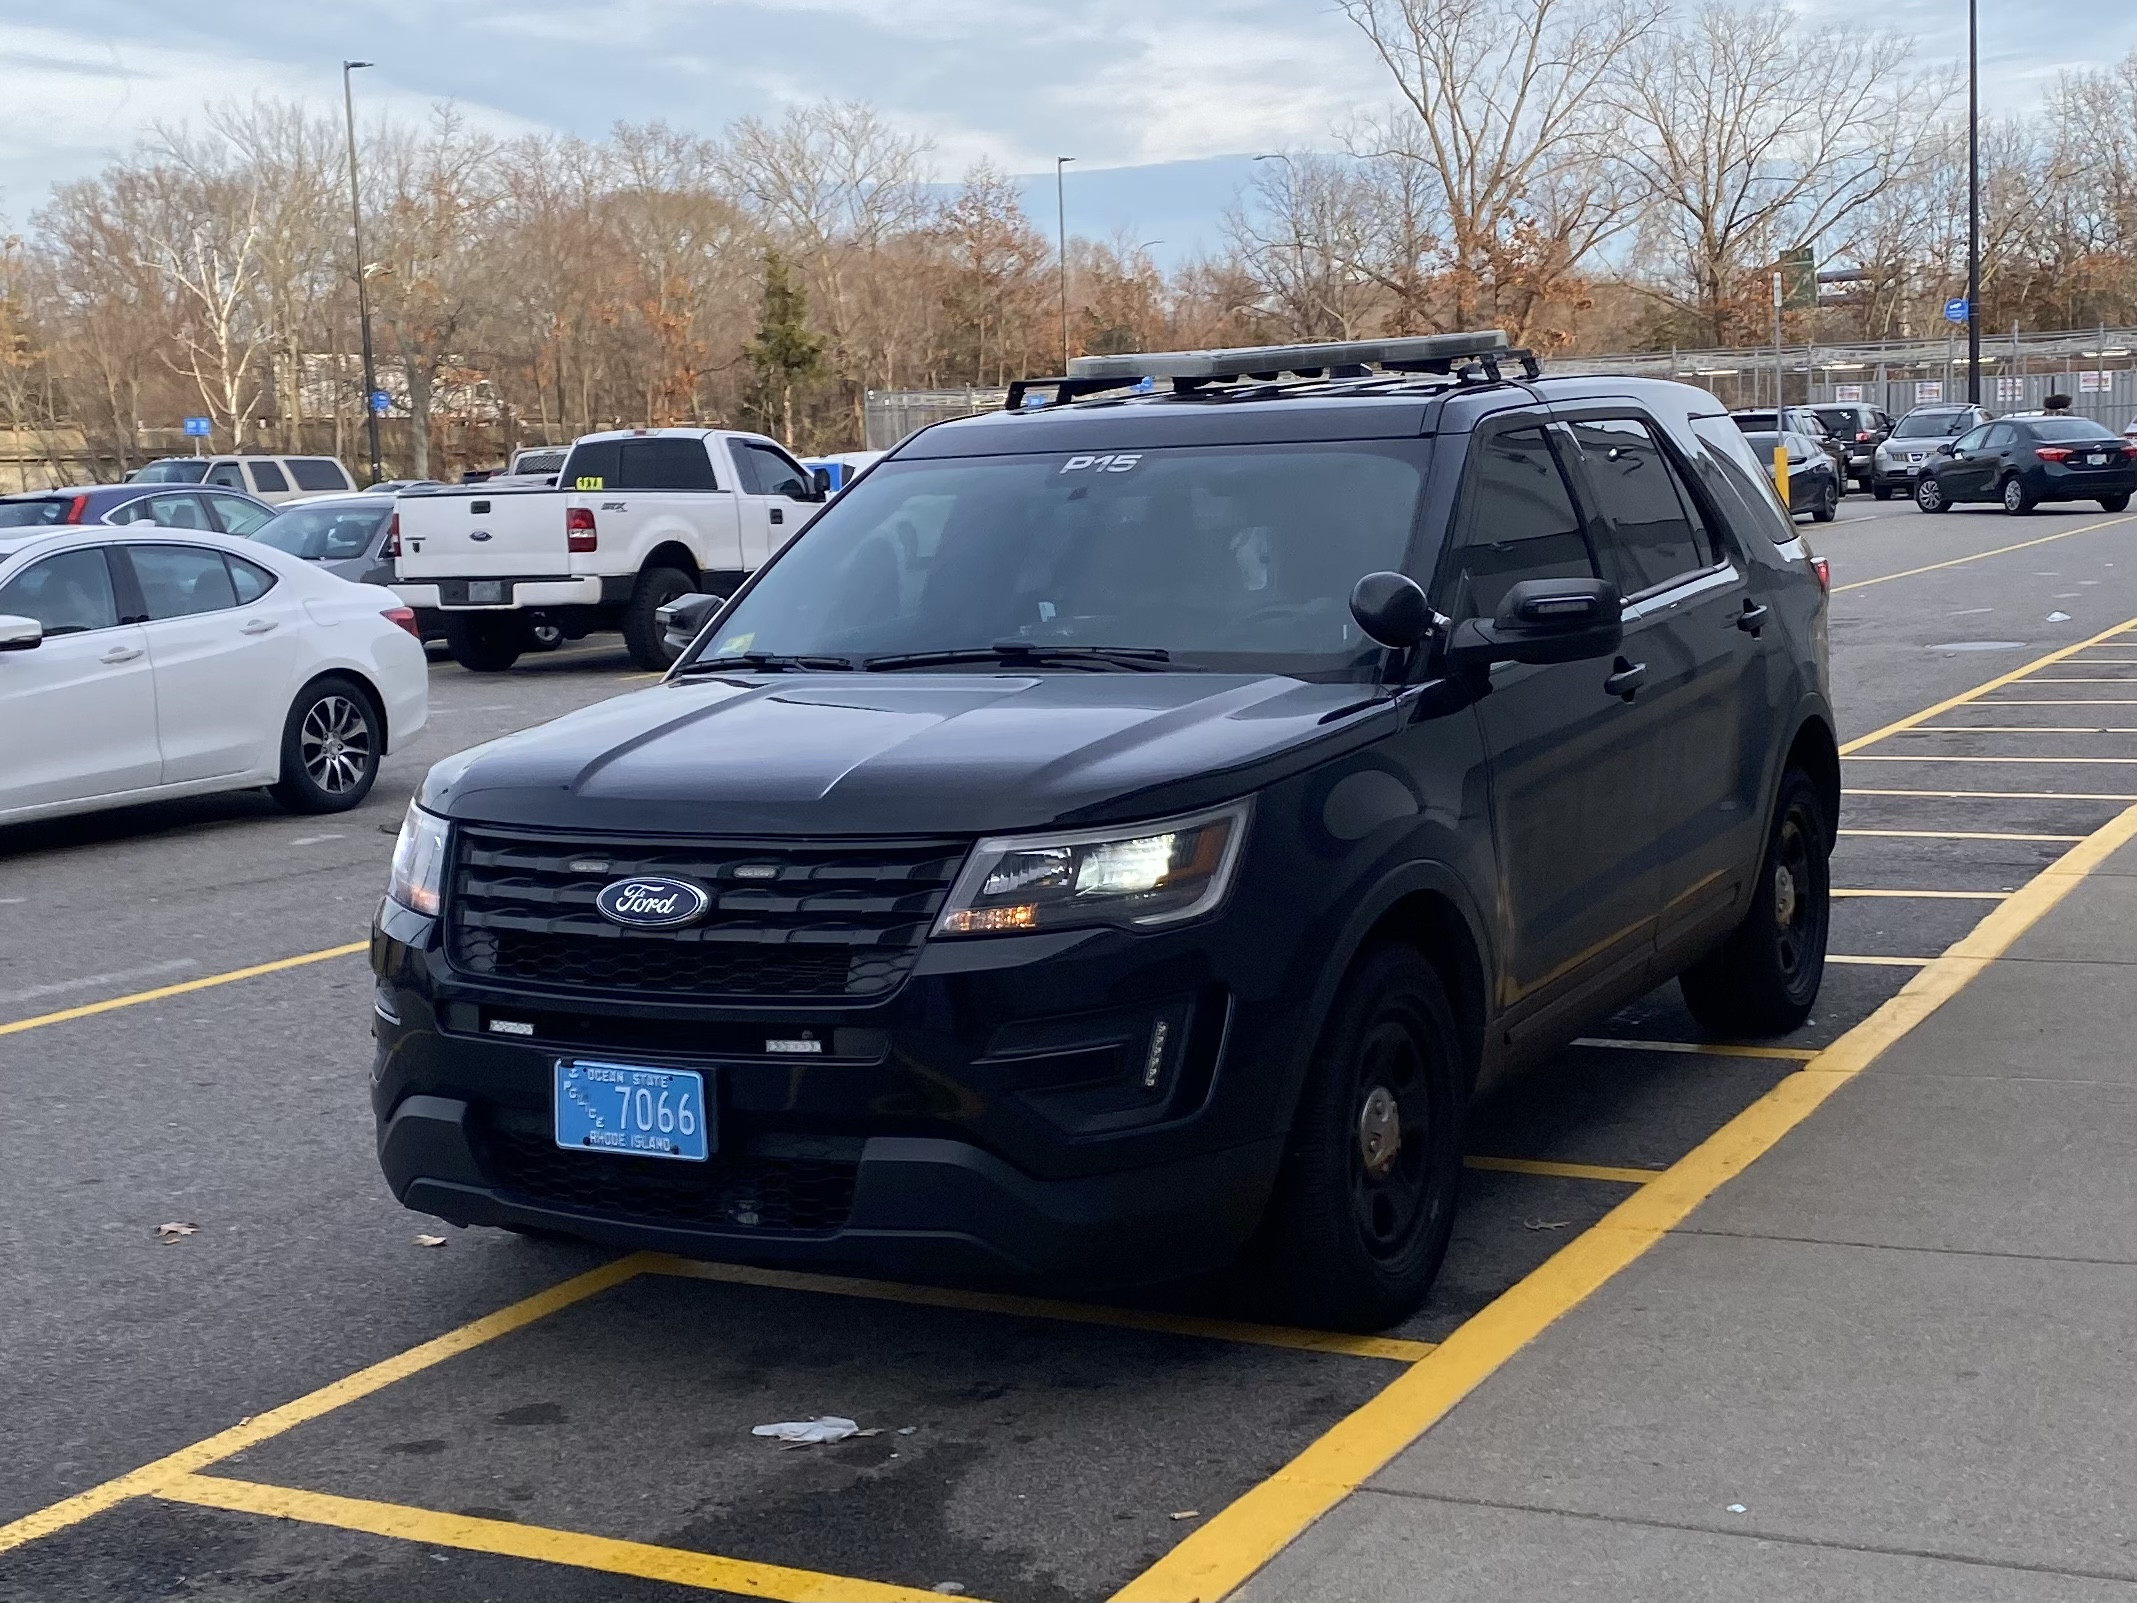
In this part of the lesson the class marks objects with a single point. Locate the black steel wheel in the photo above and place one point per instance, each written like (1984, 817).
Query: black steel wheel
(1764, 979)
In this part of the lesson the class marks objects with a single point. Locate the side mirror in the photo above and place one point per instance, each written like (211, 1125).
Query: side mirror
(1948, 448)
(682, 619)
(1391, 608)
(1545, 621)
(20, 634)
(820, 478)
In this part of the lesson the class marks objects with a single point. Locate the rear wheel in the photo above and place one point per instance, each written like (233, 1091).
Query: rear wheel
(1882, 492)
(1828, 507)
(1930, 497)
(331, 744)
(1365, 1203)
(1764, 978)
(485, 642)
(2114, 503)
(642, 633)
(2018, 497)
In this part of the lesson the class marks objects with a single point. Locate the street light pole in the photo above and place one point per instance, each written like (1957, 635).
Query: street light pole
(1061, 244)
(1973, 202)
(363, 291)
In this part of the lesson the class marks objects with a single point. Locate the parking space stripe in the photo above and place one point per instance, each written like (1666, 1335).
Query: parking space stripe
(1337, 1343)
(1955, 834)
(90, 1009)
(2020, 729)
(1563, 1171)
(1931, 757)
(2023, 701)
(1879, 962)
(1938, 710)
(1925, 896)
(1243, 1537)
(151, 1478)
(1703, 1049)
(1999, 795)
(509, 1539)
(1960, 562)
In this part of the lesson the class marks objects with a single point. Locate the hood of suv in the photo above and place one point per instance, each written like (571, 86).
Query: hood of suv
(907, 754)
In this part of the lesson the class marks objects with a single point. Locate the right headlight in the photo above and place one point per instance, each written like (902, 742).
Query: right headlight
(418, 878)
(1136, 876)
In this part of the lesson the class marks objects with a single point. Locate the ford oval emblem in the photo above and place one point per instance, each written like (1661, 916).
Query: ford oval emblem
(652, 902)
(479, 534)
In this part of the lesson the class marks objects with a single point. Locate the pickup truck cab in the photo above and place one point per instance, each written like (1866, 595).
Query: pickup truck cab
(637, 518)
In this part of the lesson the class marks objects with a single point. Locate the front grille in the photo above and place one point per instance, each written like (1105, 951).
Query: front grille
(812, 922)
(795, 1195)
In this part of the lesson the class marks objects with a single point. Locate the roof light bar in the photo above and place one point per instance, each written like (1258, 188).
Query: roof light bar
(1416, 353)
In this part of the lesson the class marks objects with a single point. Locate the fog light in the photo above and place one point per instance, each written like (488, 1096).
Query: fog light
(1154, 1059)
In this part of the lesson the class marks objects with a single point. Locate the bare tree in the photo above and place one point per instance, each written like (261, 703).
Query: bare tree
(1306, 229)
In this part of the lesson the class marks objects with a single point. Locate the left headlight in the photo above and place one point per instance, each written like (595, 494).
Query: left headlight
(1138, 876)
(418, 879)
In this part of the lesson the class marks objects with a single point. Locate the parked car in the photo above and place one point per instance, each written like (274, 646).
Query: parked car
(1800, 420)
(396, 486)
(270, 478)
(1898, 462)
(1118, 835)
(536, 462)
(1813, 482)
(639, 517)
(147, 662)
(1860, 429)
(2024, 461)
(224, 511)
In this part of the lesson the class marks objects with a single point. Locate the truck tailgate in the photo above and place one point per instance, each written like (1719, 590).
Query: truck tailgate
(470, 533)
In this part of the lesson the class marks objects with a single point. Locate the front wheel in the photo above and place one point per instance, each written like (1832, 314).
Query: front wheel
(2018, 497)
(642, 633)
(1930, 497)
(331, 744)
(1764, 979)
(2114, 503)
(485, 642)
(1365, 1204)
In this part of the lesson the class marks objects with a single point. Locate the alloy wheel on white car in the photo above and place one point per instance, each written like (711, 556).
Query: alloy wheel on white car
(334, 743)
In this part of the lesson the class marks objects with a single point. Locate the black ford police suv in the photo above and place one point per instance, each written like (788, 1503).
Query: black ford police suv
(1121, 834)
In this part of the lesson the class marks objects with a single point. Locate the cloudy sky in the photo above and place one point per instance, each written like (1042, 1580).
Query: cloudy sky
(1139, 87)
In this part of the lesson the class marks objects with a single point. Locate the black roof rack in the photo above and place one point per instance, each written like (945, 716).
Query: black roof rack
(1466, 358)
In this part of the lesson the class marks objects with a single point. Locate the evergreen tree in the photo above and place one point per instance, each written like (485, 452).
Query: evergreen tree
(785, 352)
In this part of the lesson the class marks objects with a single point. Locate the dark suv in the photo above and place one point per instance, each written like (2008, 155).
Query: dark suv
(1123, 831)
(1860, 429)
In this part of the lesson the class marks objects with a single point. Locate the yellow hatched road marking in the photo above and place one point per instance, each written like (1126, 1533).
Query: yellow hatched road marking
(1925, 896)
(1703, 1049)
(1960, 562)
(1996, 795)
(1564, 1171)
(707, 1571)
(1960, 700)
(1243, 1537)
(1078, 1313)
(1955, 834)
(90, 1009)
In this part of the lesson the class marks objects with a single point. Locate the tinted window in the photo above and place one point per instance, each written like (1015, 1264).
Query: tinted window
(775, 475)
(174, 470)
(237, 515)
(1975, 439)
(178, 509)
(664, 465)
(1520, 524)
(230, 475)
(68, 593)
(2071, 428)
(592, 467)
(325, 533)
(179, 580)
(1841, 419)
(746, 468)
(267, 479)
(1762, 422)
(538, 462)
(1655, 537)
(1740, 480)
(249, 579)
(33, 514)
(319, 473)
(1932, 425)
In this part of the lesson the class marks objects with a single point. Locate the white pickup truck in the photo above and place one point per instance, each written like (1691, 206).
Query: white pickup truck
(637, 518)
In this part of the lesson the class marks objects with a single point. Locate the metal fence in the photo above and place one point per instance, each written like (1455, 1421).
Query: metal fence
(893, 414)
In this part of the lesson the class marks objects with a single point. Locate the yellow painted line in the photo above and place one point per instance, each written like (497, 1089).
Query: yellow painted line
(1879, 962)
(2059, 679)
(91, 1009)
(1960, 700)
(1926, 896)
(1075, 1313)
(678, 1567)
(2002, 550)
(2020, 729)
(1702, 1049)
(1231, 1546)
(1931, 758)
(1998, 795)
(2110, 662)
(2028, 701)
(1955, 834)
(150, 1479)
(1564, 1171)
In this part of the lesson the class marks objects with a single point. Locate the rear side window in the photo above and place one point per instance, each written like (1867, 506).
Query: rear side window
(178, 581)
(319, 473)
(664, 465)
(1740, 480)
(592, 467)
(1656, 536)
(1520, 524)
(248, 579)
(69, 593)
(268, 477)
(230, 475)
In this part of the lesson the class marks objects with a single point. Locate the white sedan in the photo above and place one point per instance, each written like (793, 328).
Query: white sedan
(147, 664)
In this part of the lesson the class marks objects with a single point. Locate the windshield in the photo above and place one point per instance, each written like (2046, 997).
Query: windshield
(1933, 425)
(325, 533)
(174, 470)
(1750, 421)
(27, 514)
(2072, 428)
(1225, 557)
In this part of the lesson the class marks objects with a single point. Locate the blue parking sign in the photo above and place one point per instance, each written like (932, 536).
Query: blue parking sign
(199, 427)
(380, 400)
(1955, 310)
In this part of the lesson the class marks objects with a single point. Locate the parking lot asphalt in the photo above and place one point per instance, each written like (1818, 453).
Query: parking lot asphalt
(297, 1400)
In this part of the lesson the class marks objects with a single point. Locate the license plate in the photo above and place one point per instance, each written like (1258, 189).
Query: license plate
(626, 1107)
(482, 590)
(2096, 460)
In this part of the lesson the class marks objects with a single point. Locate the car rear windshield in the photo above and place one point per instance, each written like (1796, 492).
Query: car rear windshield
(1748, 421)
(30, 514)
(174, 470)
(1933, 425)
(318, 473)
(1841, 419)
(328, 533)
(1227, 557)
(2072, 428)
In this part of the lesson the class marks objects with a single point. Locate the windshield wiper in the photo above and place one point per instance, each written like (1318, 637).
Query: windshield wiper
(1019, 653)
(766, 662)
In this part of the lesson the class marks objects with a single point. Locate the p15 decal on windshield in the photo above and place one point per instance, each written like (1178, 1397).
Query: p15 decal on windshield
(1102, 464)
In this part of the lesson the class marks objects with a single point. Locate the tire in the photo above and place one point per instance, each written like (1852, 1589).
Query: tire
(2018, 497)
(544, 636)
(486, 644)
(642, 633)
(332, 741)
(1930, 497)
(1764, 979)
(1882, 492)
(1357, 1228)
(2114, 503)
(1828, 507)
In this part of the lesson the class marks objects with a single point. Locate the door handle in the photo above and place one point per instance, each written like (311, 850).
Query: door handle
(779, 514)
(258, 626)
(118, 654)
(1753, 618)
(1626, 680)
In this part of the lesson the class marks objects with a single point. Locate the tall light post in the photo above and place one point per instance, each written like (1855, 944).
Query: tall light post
(1973, 202)
(363, 272)
(1061, 245)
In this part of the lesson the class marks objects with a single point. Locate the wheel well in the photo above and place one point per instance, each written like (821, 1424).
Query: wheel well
(1435, 926)
(369, 692)
(1814, 751)
(672, 555)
